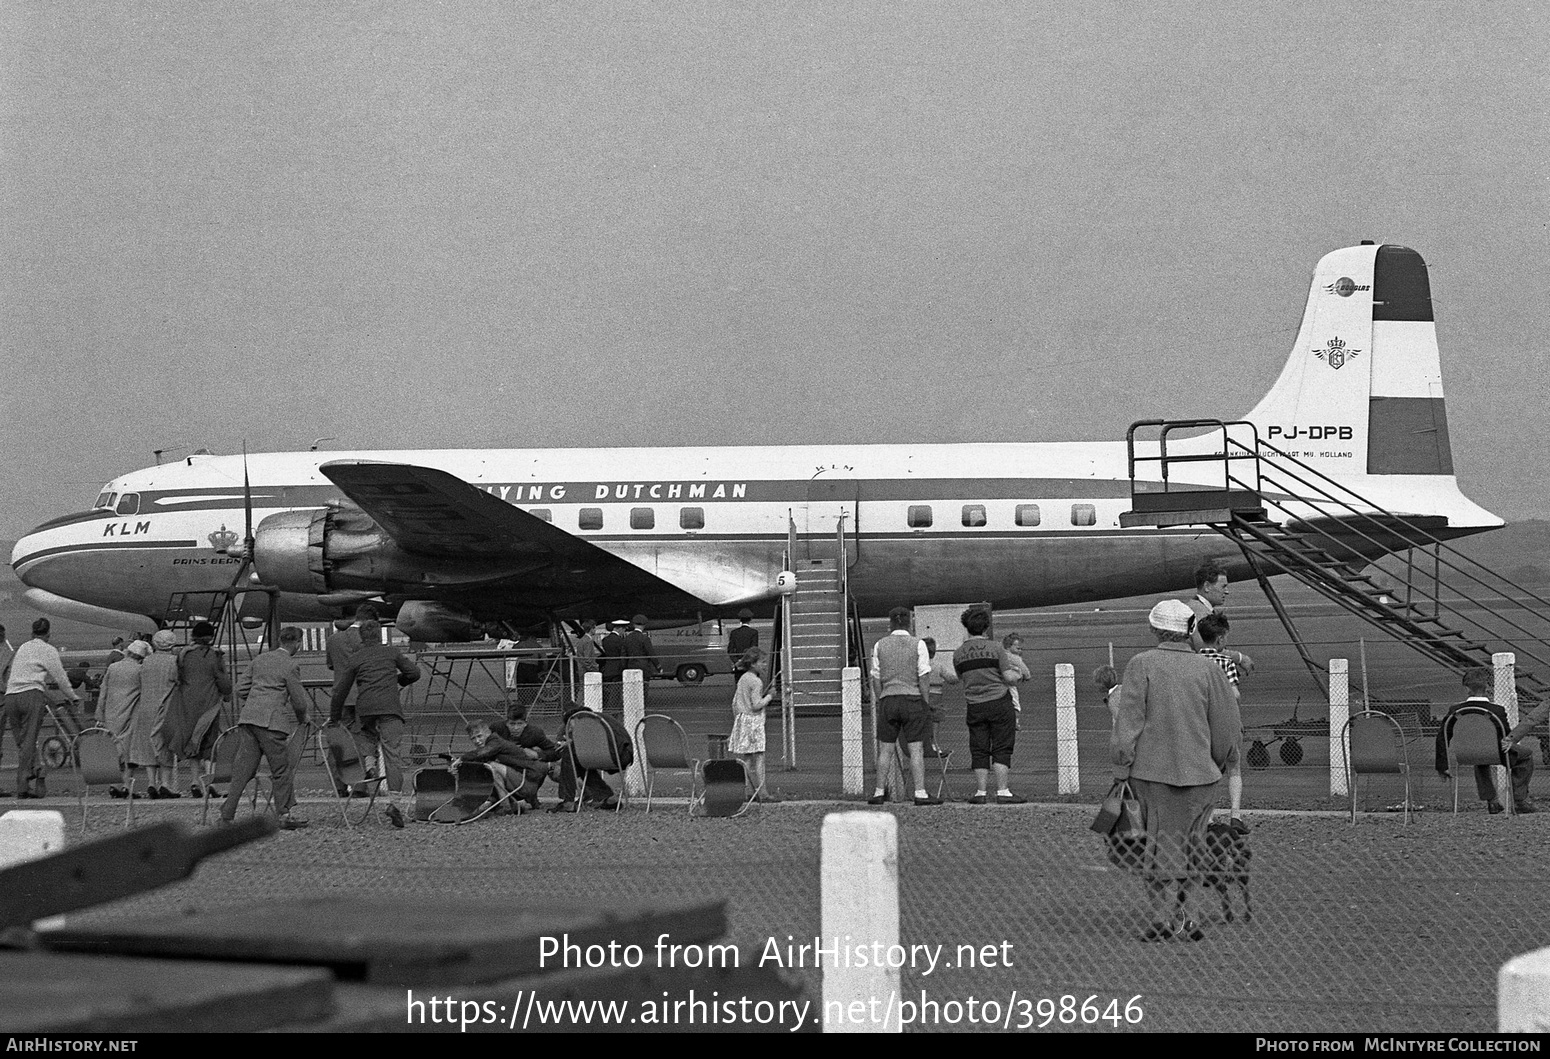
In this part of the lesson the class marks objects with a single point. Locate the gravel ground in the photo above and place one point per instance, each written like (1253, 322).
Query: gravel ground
(1374, 927)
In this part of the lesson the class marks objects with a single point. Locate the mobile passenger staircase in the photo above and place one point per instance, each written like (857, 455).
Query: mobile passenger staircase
(1286, 517)
(817, 630)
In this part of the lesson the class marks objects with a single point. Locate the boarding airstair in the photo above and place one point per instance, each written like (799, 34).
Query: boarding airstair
(1286, 517)
(816, 630)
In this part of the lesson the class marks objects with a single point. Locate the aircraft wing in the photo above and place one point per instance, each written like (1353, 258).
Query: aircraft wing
(436, 514)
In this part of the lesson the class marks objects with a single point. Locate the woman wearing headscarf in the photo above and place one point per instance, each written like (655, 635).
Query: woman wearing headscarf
(1176, 731)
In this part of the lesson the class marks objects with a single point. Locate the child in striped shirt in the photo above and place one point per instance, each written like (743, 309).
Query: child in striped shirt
(1213, 634)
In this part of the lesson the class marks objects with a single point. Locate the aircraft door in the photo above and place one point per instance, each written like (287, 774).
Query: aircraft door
(829, 499)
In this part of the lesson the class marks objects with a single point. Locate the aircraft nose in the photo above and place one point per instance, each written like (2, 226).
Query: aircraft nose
(42, 557)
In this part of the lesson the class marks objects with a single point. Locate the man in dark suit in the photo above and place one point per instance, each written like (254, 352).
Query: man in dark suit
(640, 654)
(743, 637)
(1521, 763)
(610, 661)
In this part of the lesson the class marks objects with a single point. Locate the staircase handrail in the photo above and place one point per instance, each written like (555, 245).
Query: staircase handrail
(1435, 599)
(1430, 538)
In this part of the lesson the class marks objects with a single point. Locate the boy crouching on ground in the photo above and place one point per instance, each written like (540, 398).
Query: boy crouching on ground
(518, 770)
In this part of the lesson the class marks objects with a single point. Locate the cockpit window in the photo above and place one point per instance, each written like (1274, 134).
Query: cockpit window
(104, 499)
(128, 504)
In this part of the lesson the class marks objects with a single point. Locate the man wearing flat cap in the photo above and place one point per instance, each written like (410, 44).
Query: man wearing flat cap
(743, 637)
(1176, 731)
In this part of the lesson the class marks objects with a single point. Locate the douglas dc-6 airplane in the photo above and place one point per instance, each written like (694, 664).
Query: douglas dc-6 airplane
(451, 538)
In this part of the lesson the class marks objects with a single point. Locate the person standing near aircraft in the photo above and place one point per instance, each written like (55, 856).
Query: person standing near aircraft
(343, 642)
(611, 661)
(1212, 632)
(1176, 731)
(34, 665)
(640, 653)
(117, 702)
(158, 687)
(746, 743)
(204, 689)
(901, 687)
(274, 706)
(942, 674)
(585, 647)
(987, 675)
(1211, 598)
(379, 671)
(740, 639)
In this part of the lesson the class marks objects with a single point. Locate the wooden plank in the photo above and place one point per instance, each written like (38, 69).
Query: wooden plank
(46, 992)
(396, 940)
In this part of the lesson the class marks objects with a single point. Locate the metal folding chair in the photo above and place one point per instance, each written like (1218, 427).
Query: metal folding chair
(97, 765)
(346, 767)
(663, 745)
(223, 755)
(594, 748)
(1377, 747)
(1475, 738)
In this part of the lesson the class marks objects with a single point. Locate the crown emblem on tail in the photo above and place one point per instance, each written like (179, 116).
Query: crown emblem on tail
(222, 538)
(1335, 353)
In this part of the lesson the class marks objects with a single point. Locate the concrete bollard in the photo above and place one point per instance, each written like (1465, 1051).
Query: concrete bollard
(859, 878)
(1505, 694)
(634, 710)
(852, 753)
(1067, 767)
(592, 691)
(1522, 993)
(27, 834)
(1339, 714)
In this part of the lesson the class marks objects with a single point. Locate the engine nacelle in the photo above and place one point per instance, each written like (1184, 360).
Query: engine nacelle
(288, 551)
(432, 622)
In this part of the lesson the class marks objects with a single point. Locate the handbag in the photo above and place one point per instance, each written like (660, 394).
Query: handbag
(1119, 820)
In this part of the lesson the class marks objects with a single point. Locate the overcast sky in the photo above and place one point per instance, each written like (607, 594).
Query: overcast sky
(466, 224)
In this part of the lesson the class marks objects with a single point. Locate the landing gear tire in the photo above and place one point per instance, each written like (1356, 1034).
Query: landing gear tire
(691, 674)
(1291, 751)
(55, 752)
(1259, 755)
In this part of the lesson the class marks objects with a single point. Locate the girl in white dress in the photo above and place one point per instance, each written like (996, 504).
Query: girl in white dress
(746, 742)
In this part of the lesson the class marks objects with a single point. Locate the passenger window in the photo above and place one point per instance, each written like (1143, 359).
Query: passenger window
(1084, 515)
(919, 516)
(691, 518)
(590, 518)
(974, 514)
(129, 504)
(1027, 514)
(643, 518)
(541, 512)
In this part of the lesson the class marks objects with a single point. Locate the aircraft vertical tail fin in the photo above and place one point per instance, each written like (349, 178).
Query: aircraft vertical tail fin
(1361, 393)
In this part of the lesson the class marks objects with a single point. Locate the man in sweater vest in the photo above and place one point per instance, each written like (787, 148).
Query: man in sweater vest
(901, 686)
